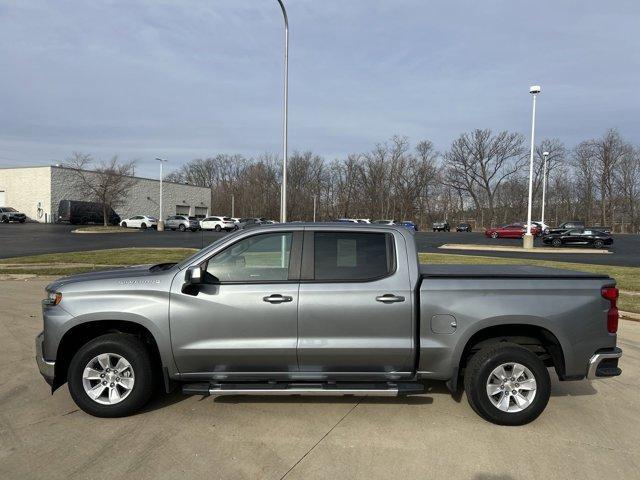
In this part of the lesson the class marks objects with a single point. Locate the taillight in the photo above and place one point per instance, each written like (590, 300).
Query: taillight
(611, 294)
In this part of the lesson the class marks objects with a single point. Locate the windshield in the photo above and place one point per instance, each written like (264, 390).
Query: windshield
(10, 209)
(189, 259)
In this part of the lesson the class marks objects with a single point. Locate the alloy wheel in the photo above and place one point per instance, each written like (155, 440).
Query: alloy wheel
(511, 387)
(108, 378)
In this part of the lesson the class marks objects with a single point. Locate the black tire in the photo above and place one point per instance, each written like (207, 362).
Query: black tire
(598, 244)
(479, 370)
(182, 228)
(556, 242)
(22, 221)
(217, 228)
(235, 227)
(5, 219)
(135, 352)
(143, 226)
(494, 235)
(124, 224)
(434, 229)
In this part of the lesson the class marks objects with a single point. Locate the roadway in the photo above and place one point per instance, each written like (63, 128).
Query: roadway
(33, 238)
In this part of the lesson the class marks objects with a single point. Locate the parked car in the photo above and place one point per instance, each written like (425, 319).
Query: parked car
(77, 212)
(306, 309)
(463, 227)
(441, 226)
(514, 230)
(182, 223)
(384, 222)
(410, 225)
(577, 225)
(363, 220)
(140, 221)
(347, 220)
(218, 224)
(543, 228)
(10, 214)
(250, 222)
(577, 237)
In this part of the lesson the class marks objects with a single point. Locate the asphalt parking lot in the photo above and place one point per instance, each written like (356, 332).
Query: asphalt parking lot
(589, 429)
(33, 238)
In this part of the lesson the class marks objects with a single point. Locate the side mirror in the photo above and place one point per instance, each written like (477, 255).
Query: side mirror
(193, 276)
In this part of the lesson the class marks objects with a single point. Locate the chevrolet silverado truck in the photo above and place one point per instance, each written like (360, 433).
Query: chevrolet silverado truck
(326, 309)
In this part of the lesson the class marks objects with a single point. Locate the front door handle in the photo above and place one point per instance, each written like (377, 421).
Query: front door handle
(277, 298)
(390, 298)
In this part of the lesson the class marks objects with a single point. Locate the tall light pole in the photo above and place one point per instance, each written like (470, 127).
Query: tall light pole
(527, 240)
(315, 199)
(545, 156)
(283, 194)
(161, 219)
(233, 205)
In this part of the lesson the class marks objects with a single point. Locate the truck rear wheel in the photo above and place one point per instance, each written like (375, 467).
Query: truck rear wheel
(507, 384)
(111, 376)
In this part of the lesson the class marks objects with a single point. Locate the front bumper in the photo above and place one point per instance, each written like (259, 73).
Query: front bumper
(47, 369)
(604, 363)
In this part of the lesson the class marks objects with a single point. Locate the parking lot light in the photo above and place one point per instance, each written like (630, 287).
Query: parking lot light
(527, 240)
(160, 226)
(283, 194)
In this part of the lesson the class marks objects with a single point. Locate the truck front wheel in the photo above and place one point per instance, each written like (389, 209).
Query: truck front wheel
(507, 384)
(111, 376)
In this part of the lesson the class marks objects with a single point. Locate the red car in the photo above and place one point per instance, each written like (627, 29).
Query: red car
(515, 230)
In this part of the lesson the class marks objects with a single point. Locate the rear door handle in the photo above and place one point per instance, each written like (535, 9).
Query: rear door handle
(390, 298)
(277, 298)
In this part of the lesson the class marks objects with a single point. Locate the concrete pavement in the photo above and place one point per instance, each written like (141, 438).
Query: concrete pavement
(589, 429)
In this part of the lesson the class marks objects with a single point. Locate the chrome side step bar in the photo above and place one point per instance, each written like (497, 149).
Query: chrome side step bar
(373, 392)
(311, 389)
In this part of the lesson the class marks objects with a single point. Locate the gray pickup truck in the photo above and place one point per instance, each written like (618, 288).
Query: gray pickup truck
(326, 309)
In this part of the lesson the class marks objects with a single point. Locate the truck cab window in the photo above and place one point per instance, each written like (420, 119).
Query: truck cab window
(347, 256)
(259, 258)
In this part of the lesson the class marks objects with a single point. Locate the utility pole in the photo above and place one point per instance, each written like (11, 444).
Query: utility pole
(161, 219)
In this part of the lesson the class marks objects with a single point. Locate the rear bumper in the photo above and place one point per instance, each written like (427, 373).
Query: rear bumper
(604, 363)
(47, 369)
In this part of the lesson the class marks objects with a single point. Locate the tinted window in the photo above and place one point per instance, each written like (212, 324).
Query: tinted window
(342, 256)
(260, 258)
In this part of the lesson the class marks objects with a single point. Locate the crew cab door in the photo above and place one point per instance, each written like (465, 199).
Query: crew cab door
(242, 321)
(355, 312)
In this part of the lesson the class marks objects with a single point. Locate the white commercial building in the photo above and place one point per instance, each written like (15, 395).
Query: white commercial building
(37, 192)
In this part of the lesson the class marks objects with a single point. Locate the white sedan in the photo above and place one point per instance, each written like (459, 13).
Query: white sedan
(140, 221)
(218, 223)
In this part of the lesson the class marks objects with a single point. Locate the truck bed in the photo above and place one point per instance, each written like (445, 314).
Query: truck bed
(503, 271)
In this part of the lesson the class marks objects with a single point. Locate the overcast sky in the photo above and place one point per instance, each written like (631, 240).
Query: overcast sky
(188, 79)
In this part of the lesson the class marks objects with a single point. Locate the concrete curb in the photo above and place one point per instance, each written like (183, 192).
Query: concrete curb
(634, 317)
(504, 248)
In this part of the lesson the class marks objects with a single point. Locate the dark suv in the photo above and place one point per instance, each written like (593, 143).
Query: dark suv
(10, 214)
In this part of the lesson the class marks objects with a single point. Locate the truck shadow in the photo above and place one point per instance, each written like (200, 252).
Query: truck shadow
(572, 389)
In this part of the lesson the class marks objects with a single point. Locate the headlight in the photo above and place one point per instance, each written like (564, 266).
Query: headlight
(54, 298)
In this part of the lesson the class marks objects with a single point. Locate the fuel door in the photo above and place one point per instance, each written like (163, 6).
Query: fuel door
(445, 324)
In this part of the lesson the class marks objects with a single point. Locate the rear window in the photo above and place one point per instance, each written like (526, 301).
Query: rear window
(346, 256)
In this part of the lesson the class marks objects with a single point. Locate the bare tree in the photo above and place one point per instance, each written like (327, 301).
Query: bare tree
(478, 163)
(108, 183)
